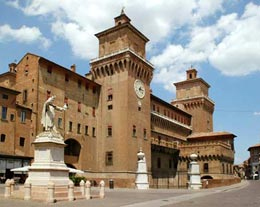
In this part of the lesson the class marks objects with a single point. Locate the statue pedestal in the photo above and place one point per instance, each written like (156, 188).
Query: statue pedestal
(48, 165)
(194, 173)
(141, 181)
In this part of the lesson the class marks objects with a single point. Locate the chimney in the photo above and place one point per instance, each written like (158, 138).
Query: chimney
(73, 68)
(12, 67)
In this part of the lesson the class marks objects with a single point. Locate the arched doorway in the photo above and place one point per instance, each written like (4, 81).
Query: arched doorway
(72, 152)
(206, 177)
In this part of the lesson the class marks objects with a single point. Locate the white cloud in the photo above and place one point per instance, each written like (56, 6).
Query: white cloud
(24, 35)
(257, 113)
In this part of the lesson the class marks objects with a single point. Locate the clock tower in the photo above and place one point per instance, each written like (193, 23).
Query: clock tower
(124, 109)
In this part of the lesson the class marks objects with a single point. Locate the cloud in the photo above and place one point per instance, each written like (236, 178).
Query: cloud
(23, 35)
(257, 113)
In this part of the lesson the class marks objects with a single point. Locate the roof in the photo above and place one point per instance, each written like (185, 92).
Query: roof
(66, 69)
(153, 97)
(9, 90)
(198, 135)
(191, 81)
(254, 146)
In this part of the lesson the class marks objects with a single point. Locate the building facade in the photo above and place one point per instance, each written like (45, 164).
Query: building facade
(112, 113)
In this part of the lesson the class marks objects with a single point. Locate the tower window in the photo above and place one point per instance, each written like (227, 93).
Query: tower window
(49, 69)
(109, 158)
(110, 97)
(5, 96)
(25, 94)
(79, 129)
(66, 77)
(22, 141)
(4, 113)
(93, 132)
(79, 106)
(70, 126)
(23, 116)
(205, 167)
(2, 137)
(109, 131)
(94, 90)
(134, 131)
(110, 107)
(93, 111)
(145, 134)
(79, 83)
(86, 130)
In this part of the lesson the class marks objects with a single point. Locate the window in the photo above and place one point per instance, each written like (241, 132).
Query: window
(48, 94)
(78, 129)
(66, 77)
(93, 111)
(23, 116)
(223, 168)
(134, 131)
(70, 126)
(49, 69)
(86, 130)
(4, 113)
(22, 141)
(145, 134)
(158, 109)
(110, 107)
(59, 122)
(109, 158)
(109, 131)
(2, 138)
(205, 167)
(87, 86)
(93, 132)
(153, 107)
(158, 162)
(79, 83)
(79, 106)
(110, 97)
(66, 100)
(4, 96)
(12, 117)
(164, 112)
(25, 94)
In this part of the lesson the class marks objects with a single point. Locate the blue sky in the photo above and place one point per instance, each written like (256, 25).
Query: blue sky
(219, 38)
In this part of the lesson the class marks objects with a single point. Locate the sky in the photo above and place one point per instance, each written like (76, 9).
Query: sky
(221, 39)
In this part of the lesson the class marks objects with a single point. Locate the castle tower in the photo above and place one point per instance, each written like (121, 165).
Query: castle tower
(192, 97)
(125, 76)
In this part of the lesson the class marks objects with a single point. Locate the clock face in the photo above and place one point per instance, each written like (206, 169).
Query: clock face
(139, 88)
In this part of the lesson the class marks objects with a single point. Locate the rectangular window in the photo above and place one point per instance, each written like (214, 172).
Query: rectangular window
(23, 116)
(59, 122)
(22, 141)
(12, 117)
(134, 131)
(109, 131)
(94, 90)
(5, 96)
(205, 167)
(93, 132)
(86, 130)
(78, 129)
(25, 94)
(4, 113)
(110, 97)
(109, 158)
(2, 138)
(145, 134)
(70, 126)
(93, 111)
(79, 106)
(110, 107)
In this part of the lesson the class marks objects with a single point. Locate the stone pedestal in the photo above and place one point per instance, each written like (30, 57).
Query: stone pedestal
(48, 165)
(141, 181)
(194, 173)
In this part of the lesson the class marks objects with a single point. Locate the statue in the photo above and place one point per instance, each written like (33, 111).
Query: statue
(48, 114)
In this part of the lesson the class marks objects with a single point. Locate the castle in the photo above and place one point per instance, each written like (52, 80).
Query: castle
(112, 114)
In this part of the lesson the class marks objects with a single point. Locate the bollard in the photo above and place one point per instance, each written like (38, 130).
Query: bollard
(82, 187)
(50, 197)
(12, 186)
(71, 191)
(102, 189)
(87, 191)
(7, 188)
(27, 191)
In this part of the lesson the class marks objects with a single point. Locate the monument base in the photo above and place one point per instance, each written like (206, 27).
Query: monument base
(48, 165)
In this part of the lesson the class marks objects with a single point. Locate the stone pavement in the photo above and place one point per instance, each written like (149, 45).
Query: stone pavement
(129, 197)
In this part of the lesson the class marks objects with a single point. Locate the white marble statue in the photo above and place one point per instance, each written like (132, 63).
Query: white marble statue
(48, 114)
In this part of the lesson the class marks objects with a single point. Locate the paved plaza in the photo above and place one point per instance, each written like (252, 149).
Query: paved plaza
(155, 197)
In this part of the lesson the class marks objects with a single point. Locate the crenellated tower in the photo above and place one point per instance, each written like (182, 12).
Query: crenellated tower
(125, 76)
(192, 97)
